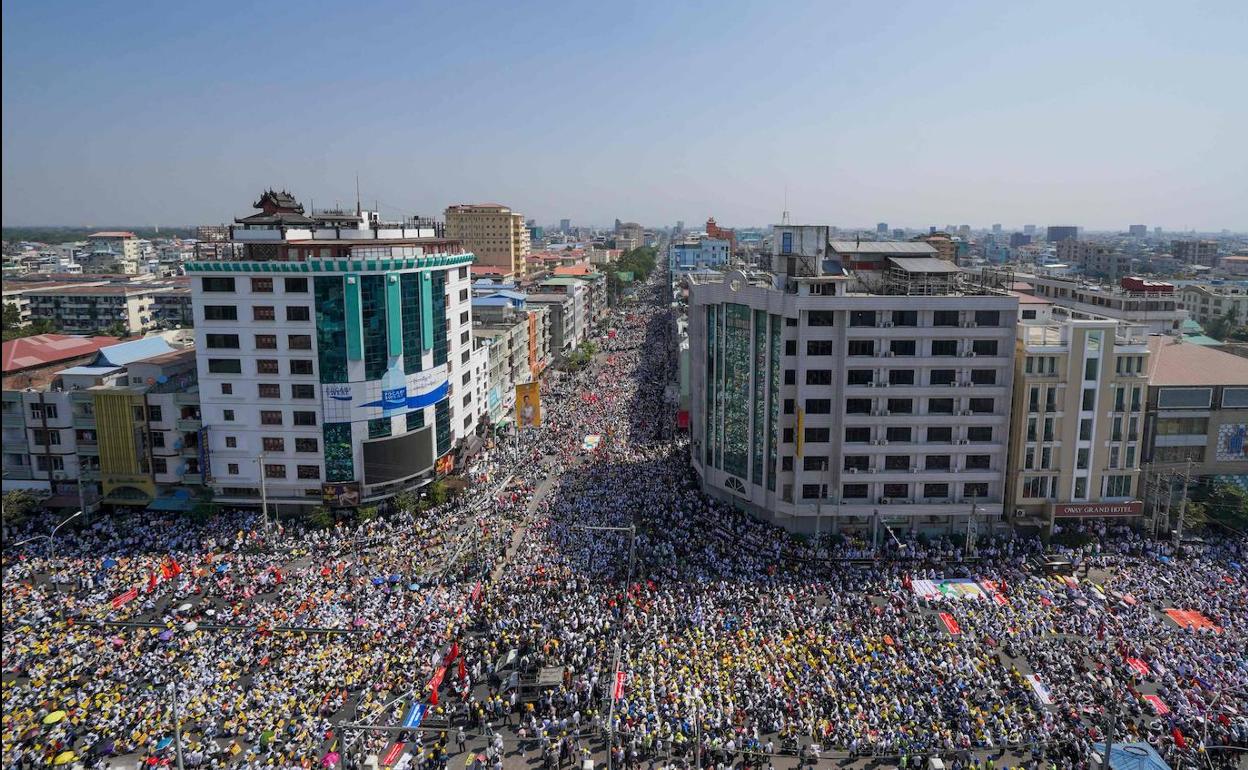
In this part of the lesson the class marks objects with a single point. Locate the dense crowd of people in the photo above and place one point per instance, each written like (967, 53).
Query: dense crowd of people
(569, 559)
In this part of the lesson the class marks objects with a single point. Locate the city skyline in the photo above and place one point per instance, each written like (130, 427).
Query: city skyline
(910, 115)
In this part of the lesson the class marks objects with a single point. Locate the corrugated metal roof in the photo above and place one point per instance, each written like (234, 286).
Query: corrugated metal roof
(135, 350)
(917, 248)
(95, 371)
(923, 265)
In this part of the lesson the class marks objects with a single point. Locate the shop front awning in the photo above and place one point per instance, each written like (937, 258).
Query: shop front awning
(179, 500)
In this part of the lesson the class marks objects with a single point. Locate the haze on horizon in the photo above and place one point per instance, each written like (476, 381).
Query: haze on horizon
(912, 113)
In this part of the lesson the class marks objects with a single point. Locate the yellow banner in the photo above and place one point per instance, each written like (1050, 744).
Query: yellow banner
(801, 433)
(528, 405)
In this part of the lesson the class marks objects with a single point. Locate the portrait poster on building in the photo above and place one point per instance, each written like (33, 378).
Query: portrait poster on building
(528, 405)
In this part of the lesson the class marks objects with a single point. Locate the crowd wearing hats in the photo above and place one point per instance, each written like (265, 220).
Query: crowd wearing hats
(737, 644)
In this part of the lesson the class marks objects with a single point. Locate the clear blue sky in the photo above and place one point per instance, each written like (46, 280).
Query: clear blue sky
(1100, 114)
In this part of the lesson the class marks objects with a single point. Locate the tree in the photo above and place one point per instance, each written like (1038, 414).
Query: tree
(366, 513)
(320, 517)
(14, 330)
(116, 329)
(18, 505)
(407, 501)
(437, 493)
(204, 511)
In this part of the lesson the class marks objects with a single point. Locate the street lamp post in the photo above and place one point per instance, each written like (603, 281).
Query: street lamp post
(51, 537)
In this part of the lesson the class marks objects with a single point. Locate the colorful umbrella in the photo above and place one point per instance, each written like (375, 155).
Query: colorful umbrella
(54, 717)
(330, 759)
(64, 758)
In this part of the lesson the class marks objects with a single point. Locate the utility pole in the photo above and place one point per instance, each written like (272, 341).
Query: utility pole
(264, 495)
(1187, 479)
(1111, 728)
(971, 531)
(177, 727)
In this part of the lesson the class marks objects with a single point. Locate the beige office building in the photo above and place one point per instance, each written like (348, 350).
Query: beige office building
(1078, 414)
(497, 236)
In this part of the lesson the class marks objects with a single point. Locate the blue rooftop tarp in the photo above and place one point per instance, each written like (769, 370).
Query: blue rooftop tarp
(1132, 756)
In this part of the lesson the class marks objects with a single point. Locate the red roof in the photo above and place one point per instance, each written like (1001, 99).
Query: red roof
(44, 349)
(573, 270)
(111, 234)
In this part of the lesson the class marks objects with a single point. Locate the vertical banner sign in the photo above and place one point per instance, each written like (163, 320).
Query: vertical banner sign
(618, 692)
(800, 436)
(528, 405)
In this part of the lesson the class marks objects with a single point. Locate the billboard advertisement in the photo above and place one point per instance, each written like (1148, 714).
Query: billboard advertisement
(528, 405)
(1232, 443)
(344, 495)
(394, 394)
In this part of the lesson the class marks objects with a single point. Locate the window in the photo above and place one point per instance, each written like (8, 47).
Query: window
(225, 366)
(860, 377)
(790, 376)
(981, 405)
(298, 313)
(308, 471)
(216, 283)
(221, 341)
(1178, 454)
(231, 442)
(942, 435)
(975, 490)
(814, 463)
(787, 436)
(979, 434)
(987, 318)
(1090, 368)
(812, 491)
(1085, 429)
(818, 376)
(301, 366)
(266, 366)
(786, 243)
(231, 469)
(817, 435)
(154, 413)
(935, 490)
(984, 376)
(220, 313)
(905, 318)
(857, 435)
(1081, 458)
(897, 491)
(901, 377)
(274, 444)
(903, 347)
(262, 285)
(57, 463)
(158, 439)
(942, 377)
(299, 341)
(901, 406)
(270, 417)
(274, 470)
(786, 463)
(897, 463)
(1117, 486)
(266, 342)
(788, 406)
(47, 437)
(940, 406)
(305, 445)
(1029, 315)
(900, 435)
(1135, 396)
(853, 491)
(857, 406)
(1048, 428)
(227, 415)
(263, 313)
(820, 317)
(978, 462)
(296, 285)
(1088, 403)
(269, 390)
(984, 347)
(1081, 488)
(819, 347)
(1033, 400)
(1179, 426)
(1185, 398)
(303, 390)
(1029, 458)
(1115, 454)
(862, 318)
(1050, 399)
(818, 406)
(790, 347)
(1031, 428)
(944, 347)
(1036, 486)
(857, 463)
(304, 418)
(1046, 458)
(945, 318)
(861, 347)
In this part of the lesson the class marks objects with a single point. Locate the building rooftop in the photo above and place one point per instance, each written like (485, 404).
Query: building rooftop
(112, 234)
(923, 265)
(108, 289)
(44, 349)
(917, 248)
(1173, 361)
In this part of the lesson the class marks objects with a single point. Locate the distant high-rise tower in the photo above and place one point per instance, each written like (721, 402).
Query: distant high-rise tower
(1059, 233)
(899, 234)
(1029, 230)
(565, 225)
(1157, 232)
(996, 229)
(882, 228)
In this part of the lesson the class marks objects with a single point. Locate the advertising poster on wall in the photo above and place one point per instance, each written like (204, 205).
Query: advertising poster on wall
(528, 405)
(1231, 443)
(388, 397)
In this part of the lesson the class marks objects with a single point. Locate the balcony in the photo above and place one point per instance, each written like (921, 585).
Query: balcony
(14, 419)
(188, 423)
(18, 472)
(192, 478)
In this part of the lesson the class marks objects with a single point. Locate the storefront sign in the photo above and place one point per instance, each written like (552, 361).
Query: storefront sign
(1132, 508)
(394, 395)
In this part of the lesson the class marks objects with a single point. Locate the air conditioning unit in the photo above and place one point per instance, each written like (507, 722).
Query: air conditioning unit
(884, 412)
(886, 500)
(964, 441)
(971, 354)
(953, 384)
(966, 324)
(914, 470)
(967, 412)
(853, 470)
(970, 384)
(887, 324)
(883, 383)
(891, 354)
(883, 442)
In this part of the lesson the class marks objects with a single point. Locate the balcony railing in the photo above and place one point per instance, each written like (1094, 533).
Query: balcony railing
(188, 423)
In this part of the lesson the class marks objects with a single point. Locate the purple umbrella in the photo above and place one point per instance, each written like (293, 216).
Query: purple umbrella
(166, 635)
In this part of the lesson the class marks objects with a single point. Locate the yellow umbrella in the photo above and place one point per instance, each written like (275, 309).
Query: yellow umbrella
(54, 717)
(64, 757)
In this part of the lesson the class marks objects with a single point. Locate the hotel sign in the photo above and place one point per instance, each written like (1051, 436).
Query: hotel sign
(1132, 508)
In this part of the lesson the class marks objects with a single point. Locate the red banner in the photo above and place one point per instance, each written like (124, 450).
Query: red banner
(618, 692)
(121, 599)
(476, 592)
(393, 755)
(950, 623)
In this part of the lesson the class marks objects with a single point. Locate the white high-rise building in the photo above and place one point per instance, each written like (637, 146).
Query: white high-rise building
(856, 385)
(334, 356)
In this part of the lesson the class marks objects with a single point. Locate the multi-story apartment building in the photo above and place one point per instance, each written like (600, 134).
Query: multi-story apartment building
(561, 312)
(87, 308)
(1059, 233)
(112, 251)
(495, 234)
(865, 396)
(1206, 303)
(1155, 307)
(1101, 260)
(1195, 252)
(1077, 431)
(335, 356)
(632, 233)
(1197, 410)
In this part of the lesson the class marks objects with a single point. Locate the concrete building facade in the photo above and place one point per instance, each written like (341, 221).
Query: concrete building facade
(494, 234)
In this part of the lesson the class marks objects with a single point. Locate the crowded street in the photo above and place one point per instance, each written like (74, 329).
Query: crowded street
(582, 600)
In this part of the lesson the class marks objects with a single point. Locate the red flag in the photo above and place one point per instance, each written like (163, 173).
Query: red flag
(618, 692)
(166, 572)
(174, 567)
(151, 582)
(463, 670)
(1178, 738)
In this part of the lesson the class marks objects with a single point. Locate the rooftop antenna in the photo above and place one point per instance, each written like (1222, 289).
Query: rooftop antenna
(357, 195)
(784, 216)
